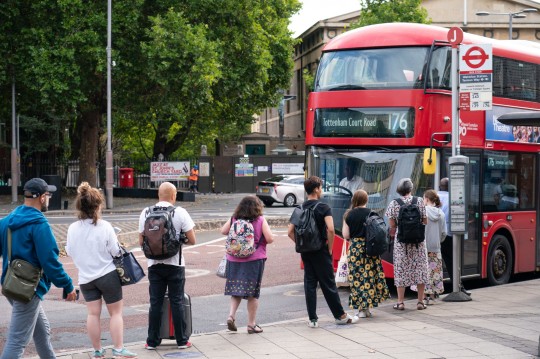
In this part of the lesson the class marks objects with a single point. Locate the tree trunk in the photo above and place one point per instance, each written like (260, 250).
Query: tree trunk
(89, 146)
(168, 147)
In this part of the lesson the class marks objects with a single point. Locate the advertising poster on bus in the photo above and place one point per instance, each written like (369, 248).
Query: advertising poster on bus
(169, 171)
(496, 131)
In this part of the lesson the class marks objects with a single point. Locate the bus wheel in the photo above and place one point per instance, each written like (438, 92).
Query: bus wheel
(500, 261)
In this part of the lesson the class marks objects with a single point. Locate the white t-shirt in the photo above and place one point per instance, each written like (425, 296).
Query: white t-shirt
(92, 247)
(181, 222)
(352, 185)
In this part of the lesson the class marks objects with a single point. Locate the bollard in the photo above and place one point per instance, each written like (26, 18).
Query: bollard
(65, 204)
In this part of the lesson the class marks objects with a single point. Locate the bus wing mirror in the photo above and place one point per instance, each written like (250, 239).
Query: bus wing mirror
(430, 161)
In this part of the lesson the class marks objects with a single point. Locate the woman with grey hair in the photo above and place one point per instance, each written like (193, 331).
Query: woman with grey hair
(410, 260)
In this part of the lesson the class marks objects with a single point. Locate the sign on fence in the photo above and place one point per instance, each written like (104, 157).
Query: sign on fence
(287, 168)
(169, 171)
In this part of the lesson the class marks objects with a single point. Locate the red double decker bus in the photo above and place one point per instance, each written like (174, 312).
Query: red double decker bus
(382, 95)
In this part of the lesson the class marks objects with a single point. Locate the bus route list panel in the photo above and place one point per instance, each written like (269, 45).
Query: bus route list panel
(457, 198)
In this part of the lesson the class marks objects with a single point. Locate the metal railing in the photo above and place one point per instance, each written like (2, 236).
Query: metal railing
(69, 173)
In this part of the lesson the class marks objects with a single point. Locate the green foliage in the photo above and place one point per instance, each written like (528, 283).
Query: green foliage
(309, 78)
(187, 72)
(384, 11)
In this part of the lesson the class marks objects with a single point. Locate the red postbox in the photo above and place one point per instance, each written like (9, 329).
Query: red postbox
(126, 177)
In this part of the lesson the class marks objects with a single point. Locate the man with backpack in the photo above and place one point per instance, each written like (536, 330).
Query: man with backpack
(166, 268)
(407, 219)
(314, 241)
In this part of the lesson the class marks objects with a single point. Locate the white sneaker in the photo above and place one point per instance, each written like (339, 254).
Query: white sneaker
(355, 319)
(313, 324)
(342, 321)
(362, 314)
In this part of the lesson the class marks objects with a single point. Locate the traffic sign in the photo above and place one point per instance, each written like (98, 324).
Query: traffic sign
(475, 58)
(475, 77)
(455, 36)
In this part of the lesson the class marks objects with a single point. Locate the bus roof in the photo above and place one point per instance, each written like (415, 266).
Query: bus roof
(411, 34)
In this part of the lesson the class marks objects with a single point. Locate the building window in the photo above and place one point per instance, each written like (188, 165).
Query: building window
(256, 149)
(515, 34)
(488, 33)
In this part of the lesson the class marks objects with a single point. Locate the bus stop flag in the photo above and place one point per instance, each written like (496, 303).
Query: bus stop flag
(475, 77)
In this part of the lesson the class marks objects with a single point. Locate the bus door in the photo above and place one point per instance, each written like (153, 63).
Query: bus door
(472, 241)
(536, 203)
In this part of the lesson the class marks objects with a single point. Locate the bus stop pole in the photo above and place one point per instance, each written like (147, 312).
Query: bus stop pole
(456, 280)
(456, 295)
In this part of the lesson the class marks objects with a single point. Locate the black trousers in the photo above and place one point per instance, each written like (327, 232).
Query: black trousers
(448, 255)
(163, 277)
(318, 269)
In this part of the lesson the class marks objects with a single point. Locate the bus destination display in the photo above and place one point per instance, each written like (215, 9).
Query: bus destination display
(364, 122)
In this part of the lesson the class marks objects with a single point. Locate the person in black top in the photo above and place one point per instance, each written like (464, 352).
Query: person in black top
(318, 267)
(366, 275)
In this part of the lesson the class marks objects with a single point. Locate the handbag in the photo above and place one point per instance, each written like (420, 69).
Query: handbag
(221, 267)
(22, 278)
(129, 270)
(342, 273)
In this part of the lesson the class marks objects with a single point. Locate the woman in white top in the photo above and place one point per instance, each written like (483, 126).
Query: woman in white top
(92, 243)
(435, 234)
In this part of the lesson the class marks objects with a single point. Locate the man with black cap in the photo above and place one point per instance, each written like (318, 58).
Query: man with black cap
(33, 241)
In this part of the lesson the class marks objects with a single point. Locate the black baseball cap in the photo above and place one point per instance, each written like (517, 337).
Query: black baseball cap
(37, 187)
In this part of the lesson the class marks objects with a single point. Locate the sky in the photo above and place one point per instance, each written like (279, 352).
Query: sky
(315, 10)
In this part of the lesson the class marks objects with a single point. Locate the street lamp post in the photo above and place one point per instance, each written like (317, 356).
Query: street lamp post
(511, 15)
(109, 155)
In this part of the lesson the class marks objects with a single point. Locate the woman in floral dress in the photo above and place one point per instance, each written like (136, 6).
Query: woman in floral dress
(366, 276)
(410, 260)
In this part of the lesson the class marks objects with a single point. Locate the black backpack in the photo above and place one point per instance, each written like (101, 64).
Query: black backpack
(306, 233)
(376, 235)
(411, 229)
(159, 235)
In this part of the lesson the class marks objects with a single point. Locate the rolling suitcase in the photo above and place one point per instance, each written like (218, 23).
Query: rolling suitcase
(167, 326)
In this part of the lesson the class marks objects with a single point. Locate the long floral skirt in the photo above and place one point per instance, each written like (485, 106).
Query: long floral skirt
(366, 277)
(435, 283)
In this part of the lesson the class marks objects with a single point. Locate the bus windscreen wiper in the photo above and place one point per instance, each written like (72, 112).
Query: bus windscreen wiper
(345, 87)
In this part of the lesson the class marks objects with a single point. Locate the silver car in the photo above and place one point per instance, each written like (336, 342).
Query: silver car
(286, 189)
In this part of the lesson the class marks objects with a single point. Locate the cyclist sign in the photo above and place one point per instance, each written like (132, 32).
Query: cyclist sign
(475, 77)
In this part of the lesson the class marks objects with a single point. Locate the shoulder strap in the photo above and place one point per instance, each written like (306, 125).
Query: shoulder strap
(415, 199)
(400, 201)
(9, 244)
(315, 206)
(171, 210)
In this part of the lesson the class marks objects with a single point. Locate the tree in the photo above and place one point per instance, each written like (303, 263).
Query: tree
(384, 11)
(241, 52)
(187, 71)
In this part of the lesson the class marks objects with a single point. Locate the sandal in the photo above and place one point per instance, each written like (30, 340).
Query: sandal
(399, 306)
(254, 329)
(231, 325)
(420, 306)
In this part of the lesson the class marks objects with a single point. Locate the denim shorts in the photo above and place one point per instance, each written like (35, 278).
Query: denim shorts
(108, 287)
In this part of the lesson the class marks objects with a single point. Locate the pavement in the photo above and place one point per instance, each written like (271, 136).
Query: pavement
(500, 322)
